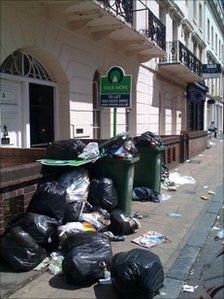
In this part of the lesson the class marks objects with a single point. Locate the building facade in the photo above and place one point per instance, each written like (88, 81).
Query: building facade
(54, 52)
(214, 56)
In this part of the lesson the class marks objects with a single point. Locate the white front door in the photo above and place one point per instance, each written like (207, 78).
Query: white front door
(11, 112)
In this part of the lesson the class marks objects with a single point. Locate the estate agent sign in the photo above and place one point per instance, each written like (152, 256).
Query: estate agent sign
(115, 89)
(211, 70)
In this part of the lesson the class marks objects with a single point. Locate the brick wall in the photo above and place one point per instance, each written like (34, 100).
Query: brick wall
(17, 186)
(14, 201)
(197, 142)
(197, 145)
(171, 156)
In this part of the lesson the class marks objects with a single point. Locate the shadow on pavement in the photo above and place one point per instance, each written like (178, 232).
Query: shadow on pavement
(58, 282)
(102, 292)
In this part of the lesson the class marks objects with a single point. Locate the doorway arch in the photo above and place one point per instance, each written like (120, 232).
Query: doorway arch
(36, 71)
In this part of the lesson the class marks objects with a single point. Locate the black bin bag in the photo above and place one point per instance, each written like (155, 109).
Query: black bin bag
(84, 254)
(72, 211)
(102, 193)
(137, 274)
(20, 250)
(41, 228)
(122, 224)
(65, 149)
(146, 194)
(49, 199)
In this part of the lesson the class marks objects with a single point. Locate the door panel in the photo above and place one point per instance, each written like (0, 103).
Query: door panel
(11, 112)
(41, 115)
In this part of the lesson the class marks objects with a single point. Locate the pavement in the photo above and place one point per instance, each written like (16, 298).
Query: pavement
(188, 235)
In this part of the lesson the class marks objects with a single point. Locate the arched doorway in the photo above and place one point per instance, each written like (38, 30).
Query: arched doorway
(26, 101)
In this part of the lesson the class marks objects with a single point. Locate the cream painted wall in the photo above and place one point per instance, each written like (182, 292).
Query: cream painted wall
(159, 104)
(71, 60)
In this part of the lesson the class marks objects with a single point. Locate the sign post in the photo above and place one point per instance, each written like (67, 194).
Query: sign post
(115, 92)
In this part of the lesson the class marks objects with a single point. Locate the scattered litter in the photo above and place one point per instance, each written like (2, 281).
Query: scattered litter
(187, 161)
(137, 215)
(42, 265)
(204, 197)
(151, 239)
(55, 266)
(211, 143)
(172, 188)
(205, 187)
(174, 215)
(220, 234)
(162, 293)
(200, 155)
(215, 228)
(107, 277)
(113, 237)
(192, 272)
(218, 217)
(181, 180)
(188, 288)
(176, 169)
(165, 197)
(211, 192)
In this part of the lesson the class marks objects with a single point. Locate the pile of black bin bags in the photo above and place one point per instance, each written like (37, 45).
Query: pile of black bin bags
(71, 215)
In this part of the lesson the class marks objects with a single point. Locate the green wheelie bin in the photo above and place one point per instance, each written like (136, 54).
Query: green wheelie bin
(148, 169)
(121, 172)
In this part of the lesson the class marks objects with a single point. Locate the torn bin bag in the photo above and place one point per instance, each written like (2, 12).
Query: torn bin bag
(41, 228)
(137, 274)
(76, 183)
(20, 250)
(49, 199)
(103, 194)
(121, 224)
(65, 149)
(84, 255)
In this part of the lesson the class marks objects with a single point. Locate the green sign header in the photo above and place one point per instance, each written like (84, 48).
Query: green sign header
(115, 89)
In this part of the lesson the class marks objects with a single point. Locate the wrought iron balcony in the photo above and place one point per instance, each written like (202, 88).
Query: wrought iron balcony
(154, 29)
(122, 8)
(178, 53)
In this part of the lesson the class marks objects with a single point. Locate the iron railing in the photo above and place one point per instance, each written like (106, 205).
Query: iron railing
(177, 52)
(122, 8)
(154, 30)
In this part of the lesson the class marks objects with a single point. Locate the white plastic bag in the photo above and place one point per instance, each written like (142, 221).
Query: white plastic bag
(90, 151)
(72, 228)
(76, 183)
(96, 219)
(55, 265)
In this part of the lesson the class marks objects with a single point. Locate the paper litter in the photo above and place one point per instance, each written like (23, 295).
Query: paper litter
(181, 180)
(174, 215)
(211, 192)
(204, 197)
(188, 288)
(165, 197)
(151, 239)
(220, 234)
